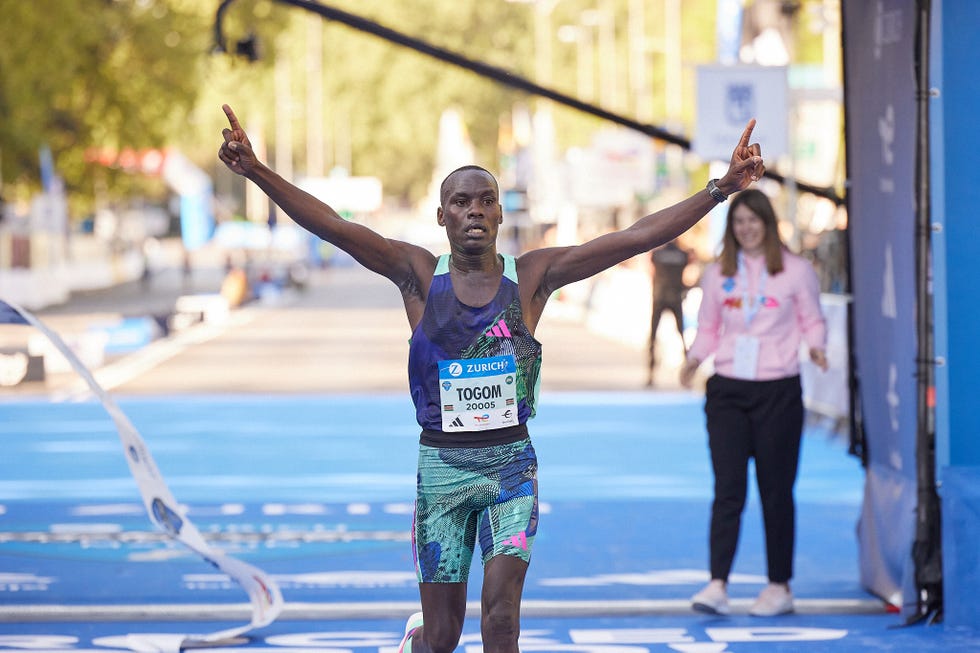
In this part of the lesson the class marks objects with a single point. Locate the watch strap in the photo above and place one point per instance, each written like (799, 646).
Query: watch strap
(715, 192)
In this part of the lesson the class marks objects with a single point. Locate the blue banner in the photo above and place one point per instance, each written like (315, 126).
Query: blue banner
(728, 30)
(880, 91)
(477, 367)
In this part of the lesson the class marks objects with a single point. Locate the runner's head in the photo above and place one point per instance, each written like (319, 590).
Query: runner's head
(470, 209)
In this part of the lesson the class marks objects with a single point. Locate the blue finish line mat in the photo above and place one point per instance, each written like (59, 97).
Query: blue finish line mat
(317, 491)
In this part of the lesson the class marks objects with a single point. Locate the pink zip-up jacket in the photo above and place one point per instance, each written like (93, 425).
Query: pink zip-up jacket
(789, 313)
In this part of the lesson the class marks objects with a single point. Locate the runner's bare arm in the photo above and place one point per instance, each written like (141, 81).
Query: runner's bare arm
(397, 260)
(552, 268)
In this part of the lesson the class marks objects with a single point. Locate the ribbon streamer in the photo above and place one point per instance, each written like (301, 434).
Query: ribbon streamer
(163, 510)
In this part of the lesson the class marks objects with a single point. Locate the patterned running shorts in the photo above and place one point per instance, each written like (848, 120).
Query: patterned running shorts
(463, 494)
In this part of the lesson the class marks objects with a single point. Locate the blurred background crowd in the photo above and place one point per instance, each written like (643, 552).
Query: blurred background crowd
(112, 118)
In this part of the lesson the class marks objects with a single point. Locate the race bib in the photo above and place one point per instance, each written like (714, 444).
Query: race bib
(478, 394)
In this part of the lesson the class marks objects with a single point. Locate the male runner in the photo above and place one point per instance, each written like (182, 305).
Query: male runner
(473, 371)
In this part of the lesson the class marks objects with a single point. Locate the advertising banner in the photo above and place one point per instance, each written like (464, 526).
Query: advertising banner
(879, 48)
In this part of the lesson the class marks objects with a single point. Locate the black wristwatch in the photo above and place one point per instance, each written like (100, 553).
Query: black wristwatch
(715, 192)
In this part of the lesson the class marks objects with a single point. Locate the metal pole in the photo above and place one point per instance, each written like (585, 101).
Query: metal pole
(673, 97)
(283, 119)
(927, 548)
(314, 99)
(639, 76)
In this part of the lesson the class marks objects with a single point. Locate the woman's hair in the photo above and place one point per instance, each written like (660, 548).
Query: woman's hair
(757, 202)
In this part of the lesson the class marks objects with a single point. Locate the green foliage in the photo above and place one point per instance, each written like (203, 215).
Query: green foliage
(81, 77)
(106, 75)
(386, 100)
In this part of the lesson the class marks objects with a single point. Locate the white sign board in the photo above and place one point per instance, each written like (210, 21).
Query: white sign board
(728, 96)
(355, 194)
(613, 170)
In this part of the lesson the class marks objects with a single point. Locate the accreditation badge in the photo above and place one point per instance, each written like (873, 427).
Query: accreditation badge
(478, 394)
(746, 363)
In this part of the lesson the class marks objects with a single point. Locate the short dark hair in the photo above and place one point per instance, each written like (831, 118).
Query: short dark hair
(442, 186)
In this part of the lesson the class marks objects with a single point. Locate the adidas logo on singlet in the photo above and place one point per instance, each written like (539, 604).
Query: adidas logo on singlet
(457, 423)
(498, 330)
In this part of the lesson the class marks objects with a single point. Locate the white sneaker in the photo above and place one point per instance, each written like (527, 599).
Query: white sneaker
(713, 599)
(414, 623)
(775, 599)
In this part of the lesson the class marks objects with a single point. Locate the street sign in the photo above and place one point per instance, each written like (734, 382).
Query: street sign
(728, 96)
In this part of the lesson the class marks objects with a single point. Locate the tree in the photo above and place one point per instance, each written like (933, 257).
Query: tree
(386, 100)
(98, 76)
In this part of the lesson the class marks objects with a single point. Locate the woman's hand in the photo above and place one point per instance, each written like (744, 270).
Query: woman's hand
(687, 371)
(819, 358)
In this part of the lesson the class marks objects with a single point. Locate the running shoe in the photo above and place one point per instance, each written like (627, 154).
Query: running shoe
(414, 623)
(713, 599)
(775, 599)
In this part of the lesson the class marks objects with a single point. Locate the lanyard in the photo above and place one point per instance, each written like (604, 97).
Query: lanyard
(751, 305)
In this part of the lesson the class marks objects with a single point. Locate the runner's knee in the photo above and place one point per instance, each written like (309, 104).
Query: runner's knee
(439, 640)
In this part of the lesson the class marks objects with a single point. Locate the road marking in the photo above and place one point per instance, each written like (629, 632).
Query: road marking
(303, 611)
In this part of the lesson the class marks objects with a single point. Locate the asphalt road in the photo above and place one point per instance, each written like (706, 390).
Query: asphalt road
(346, 332)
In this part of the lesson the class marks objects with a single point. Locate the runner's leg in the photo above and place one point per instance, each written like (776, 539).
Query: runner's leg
(503, 584)
(443, 609)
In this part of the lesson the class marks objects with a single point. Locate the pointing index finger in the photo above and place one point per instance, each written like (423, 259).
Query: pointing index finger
(743, 142)
(231, 117)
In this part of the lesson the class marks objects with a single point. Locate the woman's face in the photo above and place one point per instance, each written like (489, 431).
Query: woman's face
(749, 230)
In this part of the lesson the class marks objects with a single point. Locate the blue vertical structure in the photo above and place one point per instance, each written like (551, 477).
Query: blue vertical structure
(910, 100)
(880, 108)
(728, 30)
(955, 197)
(196, 193)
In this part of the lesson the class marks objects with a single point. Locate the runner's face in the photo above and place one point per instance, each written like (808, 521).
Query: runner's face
(471, 212)
(749, 230)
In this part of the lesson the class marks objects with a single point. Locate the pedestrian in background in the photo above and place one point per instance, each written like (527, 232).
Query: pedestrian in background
(759, 303)
(473, 368)
(669, 262)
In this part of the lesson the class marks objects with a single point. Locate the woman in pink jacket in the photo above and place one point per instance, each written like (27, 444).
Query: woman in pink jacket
(759, 303)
